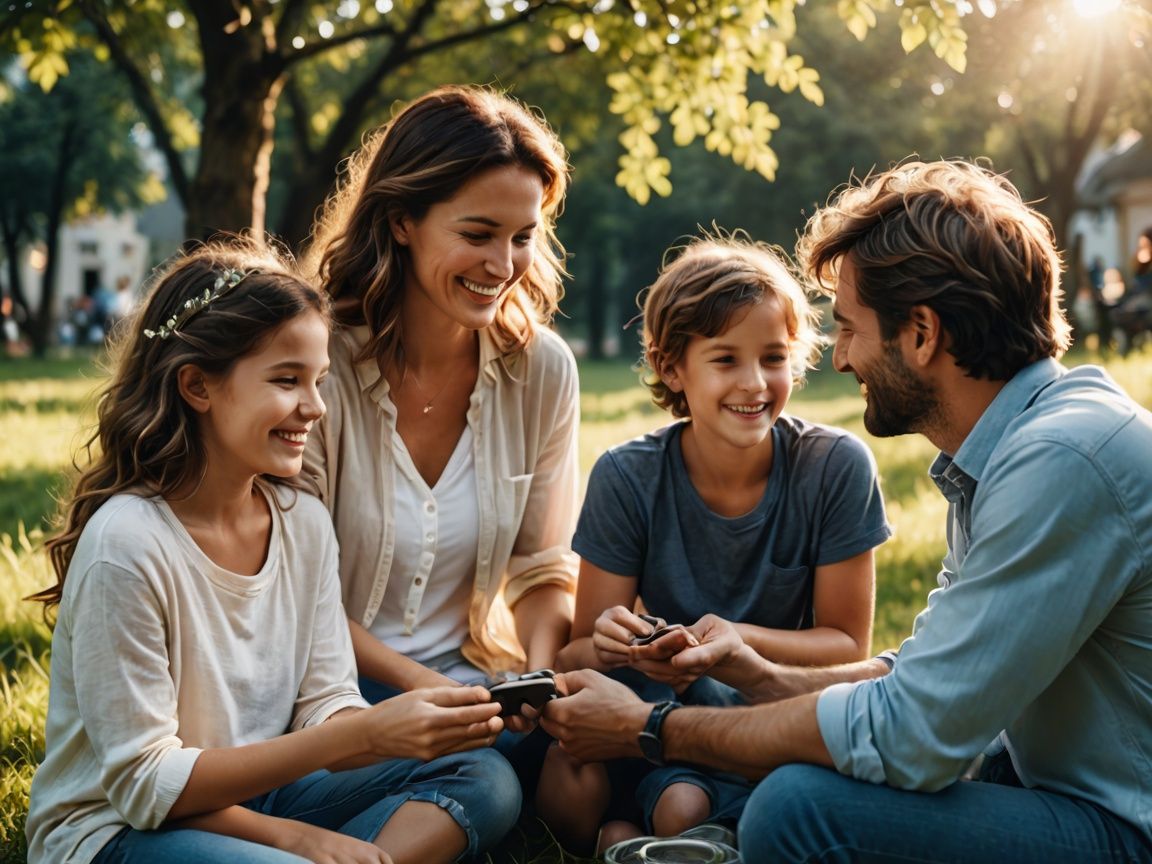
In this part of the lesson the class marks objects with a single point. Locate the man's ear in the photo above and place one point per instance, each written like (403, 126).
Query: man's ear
(925, 333)
(193, 386)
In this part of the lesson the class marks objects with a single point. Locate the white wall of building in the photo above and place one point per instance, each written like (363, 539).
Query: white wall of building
(95, 251)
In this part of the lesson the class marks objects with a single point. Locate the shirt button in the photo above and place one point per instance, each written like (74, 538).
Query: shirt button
(419, 580)
(429, 536)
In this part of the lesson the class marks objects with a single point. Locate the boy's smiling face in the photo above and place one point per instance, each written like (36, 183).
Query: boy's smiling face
(737, 382)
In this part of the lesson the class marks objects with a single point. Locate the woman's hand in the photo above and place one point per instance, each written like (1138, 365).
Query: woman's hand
(321, 846)
(425, 724)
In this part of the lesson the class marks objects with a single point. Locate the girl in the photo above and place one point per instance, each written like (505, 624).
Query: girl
(203, 684)
(740, 510)
(452, 434)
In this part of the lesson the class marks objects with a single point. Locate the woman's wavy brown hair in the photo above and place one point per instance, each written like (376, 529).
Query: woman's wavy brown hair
(957, 238)
(423, 157)
(697, 294)
(146, 435)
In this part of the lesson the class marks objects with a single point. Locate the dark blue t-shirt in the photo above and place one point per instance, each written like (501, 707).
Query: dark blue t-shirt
(643, 518)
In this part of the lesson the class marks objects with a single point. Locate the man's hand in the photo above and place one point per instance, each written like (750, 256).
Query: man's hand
(425, 724)
(598, 719)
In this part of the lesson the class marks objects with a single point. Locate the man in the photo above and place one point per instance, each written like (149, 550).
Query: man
(946, 290)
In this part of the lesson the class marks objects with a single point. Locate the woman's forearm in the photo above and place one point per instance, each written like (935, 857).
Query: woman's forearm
(543, 621)
(377, 661)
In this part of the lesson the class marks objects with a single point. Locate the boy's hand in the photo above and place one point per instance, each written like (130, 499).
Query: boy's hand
(614, 631)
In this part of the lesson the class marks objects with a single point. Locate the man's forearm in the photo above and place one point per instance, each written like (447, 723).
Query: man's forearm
(763, 681)
(748, 741)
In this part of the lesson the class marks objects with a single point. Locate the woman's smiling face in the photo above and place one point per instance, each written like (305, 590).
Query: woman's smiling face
(467, 253)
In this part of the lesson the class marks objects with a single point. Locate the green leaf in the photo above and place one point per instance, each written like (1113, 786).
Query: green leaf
(912, 35)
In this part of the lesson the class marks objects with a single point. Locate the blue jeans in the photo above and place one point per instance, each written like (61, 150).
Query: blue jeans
(726, 792)
(477, 788)
(812, 814)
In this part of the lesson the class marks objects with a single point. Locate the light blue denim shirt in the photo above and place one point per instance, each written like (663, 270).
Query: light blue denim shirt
(1042, 624)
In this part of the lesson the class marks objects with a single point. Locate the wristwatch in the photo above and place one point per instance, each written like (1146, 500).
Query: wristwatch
(651, 745)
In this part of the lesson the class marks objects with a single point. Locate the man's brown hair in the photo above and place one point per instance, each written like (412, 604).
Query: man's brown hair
(959, 239)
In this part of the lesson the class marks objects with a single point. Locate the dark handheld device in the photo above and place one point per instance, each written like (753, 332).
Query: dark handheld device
(659, 628)
(531, 688)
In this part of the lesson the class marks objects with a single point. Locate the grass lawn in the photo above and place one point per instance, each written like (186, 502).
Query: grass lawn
(45, 406)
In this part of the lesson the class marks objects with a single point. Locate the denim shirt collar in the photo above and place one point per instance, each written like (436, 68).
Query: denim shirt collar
(958, 475)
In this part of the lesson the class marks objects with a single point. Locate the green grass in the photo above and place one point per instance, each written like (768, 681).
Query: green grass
(45, 406)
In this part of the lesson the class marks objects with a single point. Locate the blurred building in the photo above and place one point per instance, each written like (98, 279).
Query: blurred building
(1115, 193)
(94, 253)
(98, 252)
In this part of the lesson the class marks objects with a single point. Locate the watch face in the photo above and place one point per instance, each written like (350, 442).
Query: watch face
(651, 744)
(652, 748)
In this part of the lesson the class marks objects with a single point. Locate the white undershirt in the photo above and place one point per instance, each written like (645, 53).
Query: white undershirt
(425, 607)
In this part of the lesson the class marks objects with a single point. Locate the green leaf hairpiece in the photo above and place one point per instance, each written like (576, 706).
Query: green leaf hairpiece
(226, 280)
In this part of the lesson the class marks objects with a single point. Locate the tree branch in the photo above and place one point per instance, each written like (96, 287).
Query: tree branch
(290, 17)
(412, 29)
(314, 49)
(143, 96)
(300, 133)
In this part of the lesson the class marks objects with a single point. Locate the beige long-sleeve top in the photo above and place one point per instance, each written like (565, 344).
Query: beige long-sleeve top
(524, 415)
(159, 653)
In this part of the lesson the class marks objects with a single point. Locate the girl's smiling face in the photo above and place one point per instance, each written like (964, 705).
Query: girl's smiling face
(737, 382)
(259, 414)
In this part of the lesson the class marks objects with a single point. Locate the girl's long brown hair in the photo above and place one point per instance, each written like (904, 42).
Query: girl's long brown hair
(146, 435)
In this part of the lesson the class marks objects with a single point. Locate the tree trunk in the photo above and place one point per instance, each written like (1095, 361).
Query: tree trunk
(242, 82)
(311, 183)
(596, 291)
(41, 324)
(11, 240)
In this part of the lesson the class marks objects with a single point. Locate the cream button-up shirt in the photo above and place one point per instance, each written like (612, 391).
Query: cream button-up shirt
(524, 415)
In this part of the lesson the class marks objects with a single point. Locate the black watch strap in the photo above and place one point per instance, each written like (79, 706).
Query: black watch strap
(651, 744)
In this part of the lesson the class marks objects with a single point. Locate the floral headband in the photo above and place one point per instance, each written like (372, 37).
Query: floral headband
(226, 280)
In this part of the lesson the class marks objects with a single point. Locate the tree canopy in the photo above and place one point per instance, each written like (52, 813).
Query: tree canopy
(67, 153)
(689, 64)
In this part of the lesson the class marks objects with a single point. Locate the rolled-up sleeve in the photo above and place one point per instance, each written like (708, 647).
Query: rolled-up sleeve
(542, 553)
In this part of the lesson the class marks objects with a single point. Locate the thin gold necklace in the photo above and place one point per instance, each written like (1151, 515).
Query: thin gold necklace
(423, 392)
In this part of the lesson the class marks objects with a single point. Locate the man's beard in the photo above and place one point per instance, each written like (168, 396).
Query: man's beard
(898, 401)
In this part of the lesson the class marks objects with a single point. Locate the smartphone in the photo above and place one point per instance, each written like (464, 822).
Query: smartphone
(525, 690)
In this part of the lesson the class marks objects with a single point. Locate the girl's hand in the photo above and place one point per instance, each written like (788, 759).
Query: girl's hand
(322, 846)
(613, 633)
(425, 724)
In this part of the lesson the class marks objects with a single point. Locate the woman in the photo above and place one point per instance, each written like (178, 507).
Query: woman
(448, 454)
